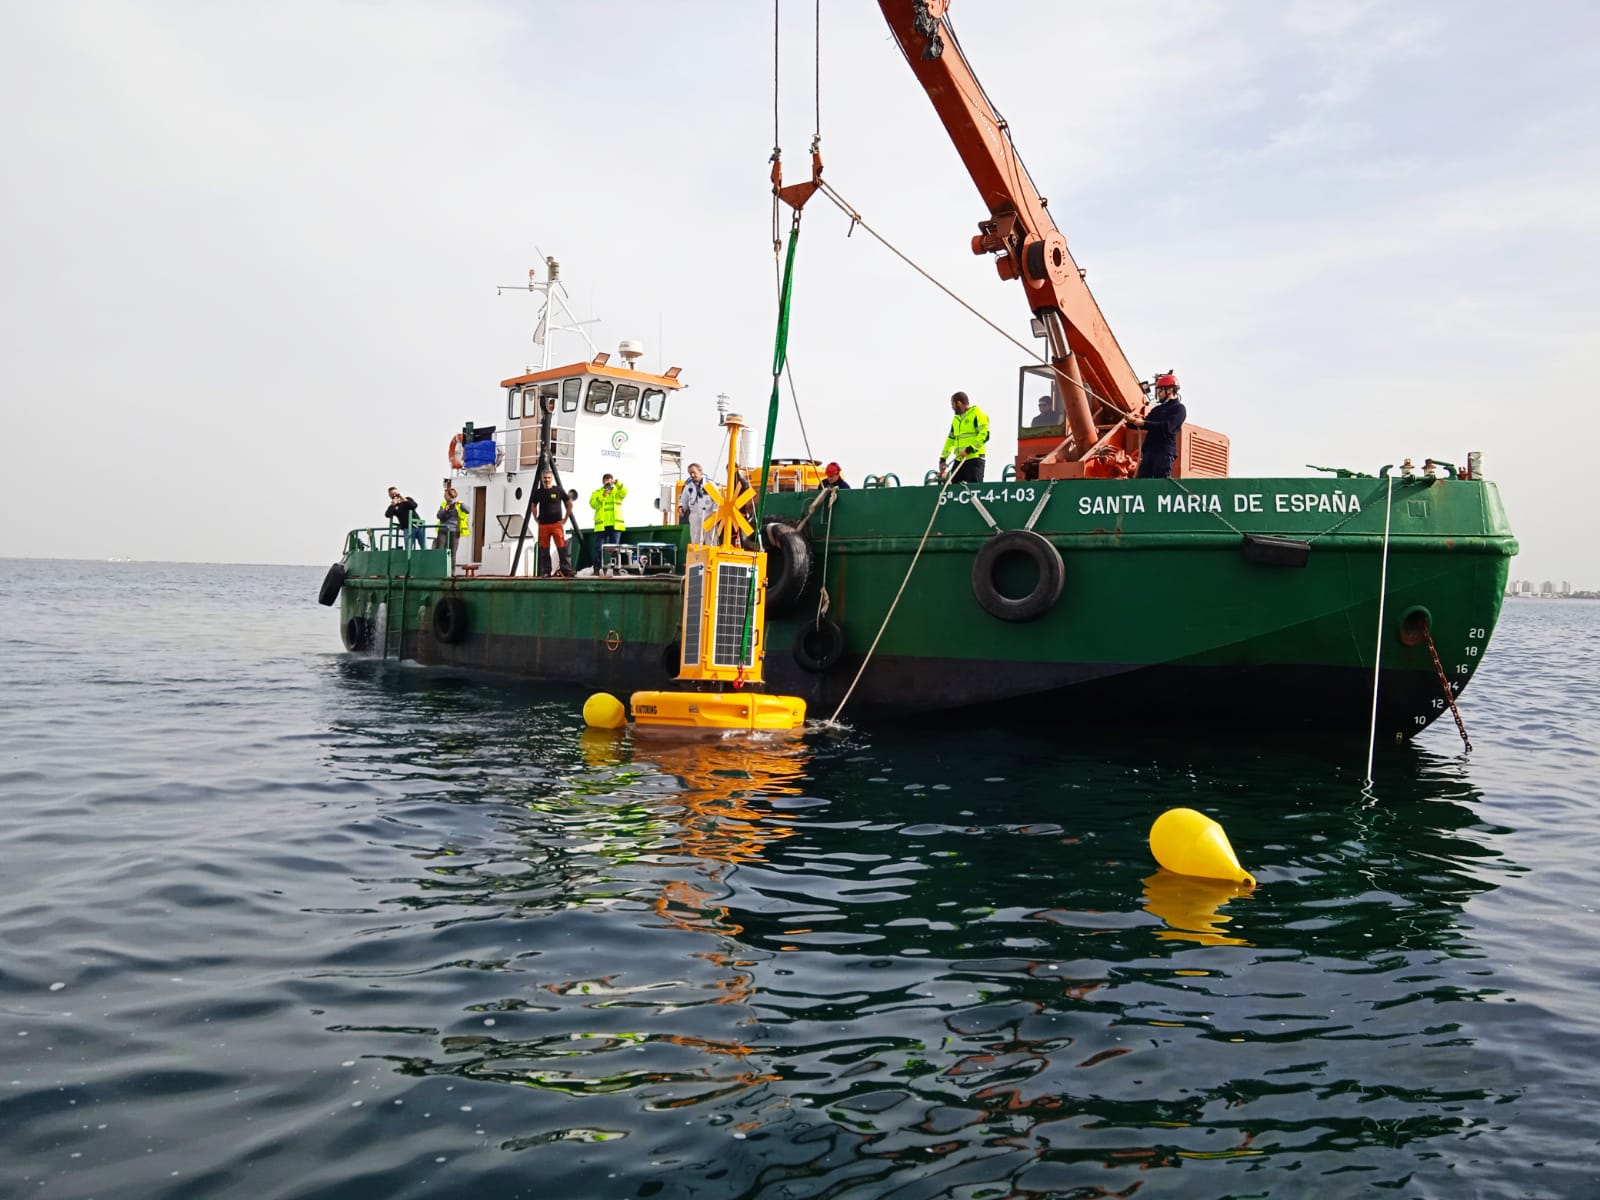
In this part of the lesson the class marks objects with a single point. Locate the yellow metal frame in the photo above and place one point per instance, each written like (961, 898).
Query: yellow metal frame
(724, 593)
(705, 594)
(707, 597)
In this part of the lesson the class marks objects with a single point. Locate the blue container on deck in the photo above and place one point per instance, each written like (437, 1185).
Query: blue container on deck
(478, 454)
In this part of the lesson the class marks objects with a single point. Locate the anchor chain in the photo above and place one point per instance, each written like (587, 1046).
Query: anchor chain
(1449, 695)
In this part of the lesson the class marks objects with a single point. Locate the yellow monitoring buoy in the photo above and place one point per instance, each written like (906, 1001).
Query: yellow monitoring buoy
(1190, 843)
(723, 632)
(743, 710)
(604, 711)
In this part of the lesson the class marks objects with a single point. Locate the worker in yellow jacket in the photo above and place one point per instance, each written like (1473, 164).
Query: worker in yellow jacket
(968, 442)
(606, 501)
(453, 524)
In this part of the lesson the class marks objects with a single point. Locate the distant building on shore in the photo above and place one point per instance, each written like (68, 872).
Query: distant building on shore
(1548, 589)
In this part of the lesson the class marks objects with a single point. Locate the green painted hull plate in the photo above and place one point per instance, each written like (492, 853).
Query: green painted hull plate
(1161, 611)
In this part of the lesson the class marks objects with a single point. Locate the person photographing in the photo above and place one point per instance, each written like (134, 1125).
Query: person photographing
(402, 511)
(606, 500)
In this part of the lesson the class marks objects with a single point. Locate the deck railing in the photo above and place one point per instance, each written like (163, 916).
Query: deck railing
(397, 549)
(380, 537)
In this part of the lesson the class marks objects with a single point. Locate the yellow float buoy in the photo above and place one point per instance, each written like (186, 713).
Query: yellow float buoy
(604, 711)
(1190, 843)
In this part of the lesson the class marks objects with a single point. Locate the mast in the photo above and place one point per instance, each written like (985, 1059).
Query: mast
(555, 305)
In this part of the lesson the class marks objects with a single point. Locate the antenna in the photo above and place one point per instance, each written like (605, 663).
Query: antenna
(555, 306)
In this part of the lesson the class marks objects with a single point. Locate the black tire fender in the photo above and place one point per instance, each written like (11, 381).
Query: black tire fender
(357, 633)
(1045, 593)
(788, 566)
(449, 619)
(331, 583)
(818, 646)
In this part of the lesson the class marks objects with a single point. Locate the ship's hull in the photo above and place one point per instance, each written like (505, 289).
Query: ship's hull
(1164, 614)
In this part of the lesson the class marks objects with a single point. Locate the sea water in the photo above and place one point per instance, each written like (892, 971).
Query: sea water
(283, 922)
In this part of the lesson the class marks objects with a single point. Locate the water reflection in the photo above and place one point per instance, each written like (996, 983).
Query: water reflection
(323, 929)
(1190, 907)
(727, 786)
(879, 963)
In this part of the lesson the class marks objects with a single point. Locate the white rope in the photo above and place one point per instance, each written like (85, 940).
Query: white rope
(856, 218)
(1377, 651)
(833, 720)
(823, 600)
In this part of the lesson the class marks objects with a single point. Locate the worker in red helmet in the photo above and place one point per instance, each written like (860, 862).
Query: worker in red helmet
(831, 477)
(1162, 425)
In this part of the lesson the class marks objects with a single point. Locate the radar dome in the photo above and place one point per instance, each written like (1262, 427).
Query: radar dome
(631, 351)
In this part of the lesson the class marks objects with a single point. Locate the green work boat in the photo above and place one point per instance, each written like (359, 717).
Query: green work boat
(1217, 601)
(1074, 590)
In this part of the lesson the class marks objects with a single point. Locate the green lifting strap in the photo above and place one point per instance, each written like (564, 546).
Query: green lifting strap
(749, 619)
(780, 356)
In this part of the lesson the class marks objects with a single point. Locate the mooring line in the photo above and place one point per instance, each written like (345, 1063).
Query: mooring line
(1377, 652)
(933, 516)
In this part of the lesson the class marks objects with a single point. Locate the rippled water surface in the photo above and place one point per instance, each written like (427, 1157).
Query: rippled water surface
(283, 923)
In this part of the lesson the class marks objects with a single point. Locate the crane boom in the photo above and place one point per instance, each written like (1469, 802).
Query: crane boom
(1020, 230)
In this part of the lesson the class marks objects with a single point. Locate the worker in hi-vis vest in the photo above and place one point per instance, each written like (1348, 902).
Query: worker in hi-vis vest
(968, 442)
(453, 525)
(607, 504)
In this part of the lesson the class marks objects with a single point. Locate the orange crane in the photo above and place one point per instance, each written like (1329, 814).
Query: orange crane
(1097, 386)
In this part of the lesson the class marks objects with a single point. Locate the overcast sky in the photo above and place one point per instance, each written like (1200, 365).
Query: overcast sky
(249, 251)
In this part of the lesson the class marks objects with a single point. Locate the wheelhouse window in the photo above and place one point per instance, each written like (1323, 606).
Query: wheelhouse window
(570, 389)
(599, 400)
(535, 397)
(626, 400)
(652, 404)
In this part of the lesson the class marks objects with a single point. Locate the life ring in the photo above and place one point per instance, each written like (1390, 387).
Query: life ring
(995, 554)
(331, 583)
(788, 566)
(458, 455)
(357, 633)
(450, 620)
(818, 646)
